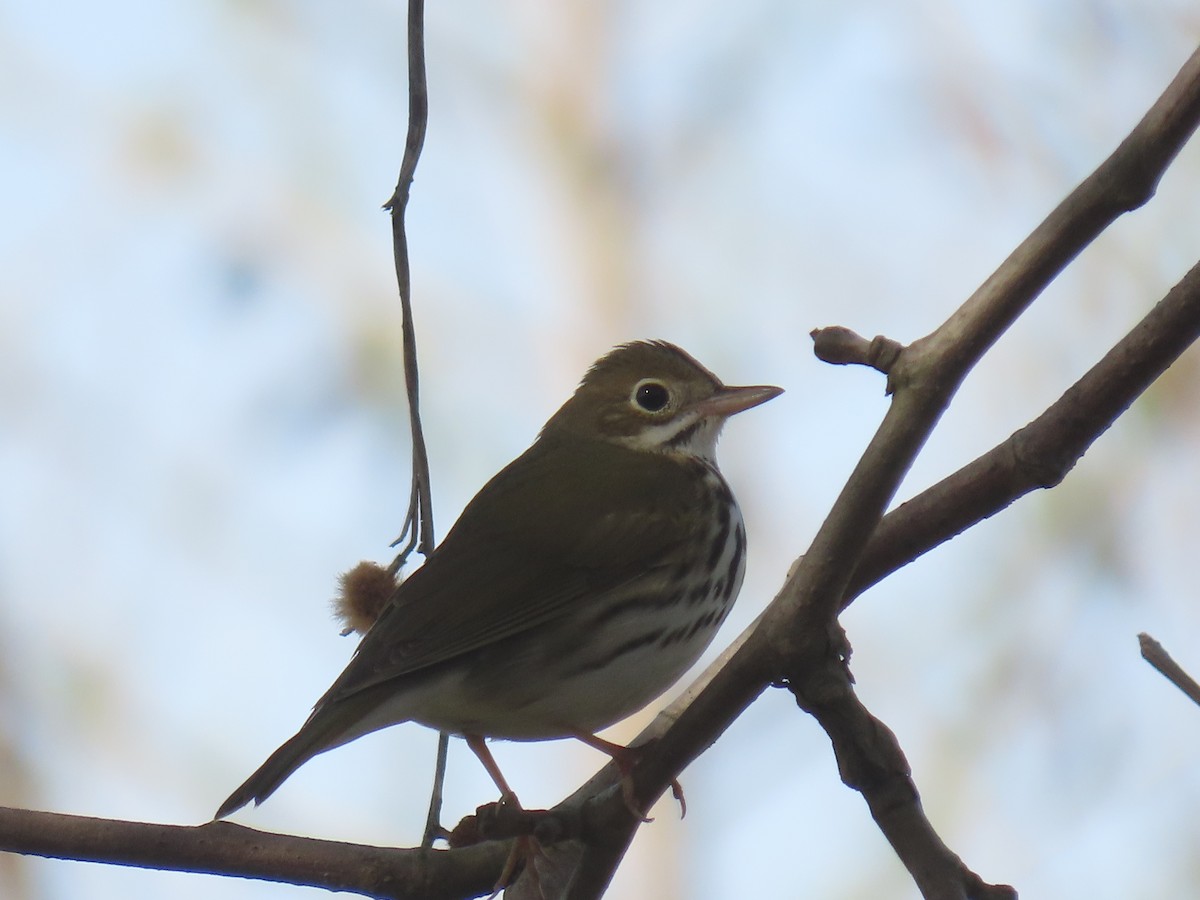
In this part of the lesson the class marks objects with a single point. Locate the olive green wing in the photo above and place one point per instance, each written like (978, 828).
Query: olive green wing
(561, 524)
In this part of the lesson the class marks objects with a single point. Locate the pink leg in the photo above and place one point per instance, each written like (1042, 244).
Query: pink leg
(480, 749)
(626, 758)
(523, 848)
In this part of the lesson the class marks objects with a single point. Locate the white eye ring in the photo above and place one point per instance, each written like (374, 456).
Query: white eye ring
(650, 395)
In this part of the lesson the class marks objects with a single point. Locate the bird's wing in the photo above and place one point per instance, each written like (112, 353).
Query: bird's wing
(553, 529)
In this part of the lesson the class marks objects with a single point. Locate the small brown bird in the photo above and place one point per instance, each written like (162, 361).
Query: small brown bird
(579, 584)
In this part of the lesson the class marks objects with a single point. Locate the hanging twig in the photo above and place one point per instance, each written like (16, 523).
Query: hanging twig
(417, 533)
(418, 522)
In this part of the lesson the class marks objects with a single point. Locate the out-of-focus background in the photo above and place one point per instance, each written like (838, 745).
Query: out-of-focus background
(202, 416)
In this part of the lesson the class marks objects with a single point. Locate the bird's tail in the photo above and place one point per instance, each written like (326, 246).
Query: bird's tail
(313, 738)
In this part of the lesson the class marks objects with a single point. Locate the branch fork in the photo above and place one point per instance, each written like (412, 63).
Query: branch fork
(795, 641)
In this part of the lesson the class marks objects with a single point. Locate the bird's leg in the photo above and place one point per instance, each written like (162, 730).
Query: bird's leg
(626, 758)
(480, 749)
(523, 848)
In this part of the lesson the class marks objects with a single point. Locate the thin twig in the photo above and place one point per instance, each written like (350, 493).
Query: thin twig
(840, 346)
(1153, 653)
(418, 521)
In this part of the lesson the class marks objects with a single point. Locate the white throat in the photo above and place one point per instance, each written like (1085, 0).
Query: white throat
(685, 435)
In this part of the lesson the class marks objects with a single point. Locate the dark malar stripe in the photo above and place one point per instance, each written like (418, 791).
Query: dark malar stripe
(686, 435)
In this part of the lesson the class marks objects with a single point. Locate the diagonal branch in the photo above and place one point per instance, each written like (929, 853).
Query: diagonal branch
(797, 640)
(1042, 453)
(1155, 654)
(998, 477)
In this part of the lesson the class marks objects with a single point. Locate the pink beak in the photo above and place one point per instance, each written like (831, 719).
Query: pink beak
(732, 400)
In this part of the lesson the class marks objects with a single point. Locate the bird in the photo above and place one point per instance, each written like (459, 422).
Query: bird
(581, 582)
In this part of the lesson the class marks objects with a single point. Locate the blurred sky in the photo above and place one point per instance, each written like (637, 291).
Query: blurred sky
(202, 418)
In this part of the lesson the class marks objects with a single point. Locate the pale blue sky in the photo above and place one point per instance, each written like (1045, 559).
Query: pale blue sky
(202, 420)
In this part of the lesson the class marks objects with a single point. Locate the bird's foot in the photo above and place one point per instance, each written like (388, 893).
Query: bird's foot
(521, 859)
(626, 758)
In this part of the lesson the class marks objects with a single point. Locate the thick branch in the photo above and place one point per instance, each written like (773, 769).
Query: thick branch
(1123, 182)
(1040, 454)
(870, 761)
(223, 848)
(797, 639)
(687, 727)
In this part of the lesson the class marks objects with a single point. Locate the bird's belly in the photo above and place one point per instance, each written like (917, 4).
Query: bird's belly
(524, 701)
(553, 681)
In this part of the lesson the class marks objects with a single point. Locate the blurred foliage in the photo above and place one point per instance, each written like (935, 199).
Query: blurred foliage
(202, 423)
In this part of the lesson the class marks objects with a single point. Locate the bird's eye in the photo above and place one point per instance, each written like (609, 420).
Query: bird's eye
(652, 396)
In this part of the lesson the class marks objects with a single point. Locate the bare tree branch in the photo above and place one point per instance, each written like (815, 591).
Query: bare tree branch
(840, 346)
(870, 761)
(1042, 453)
(1153, 653)
(595, 812)
(796, 642)
(223, 848)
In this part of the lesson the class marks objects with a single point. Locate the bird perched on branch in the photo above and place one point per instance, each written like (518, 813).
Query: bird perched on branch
(579, 584)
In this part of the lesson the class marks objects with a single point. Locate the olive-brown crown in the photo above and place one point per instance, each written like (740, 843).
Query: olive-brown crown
(633, 388)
